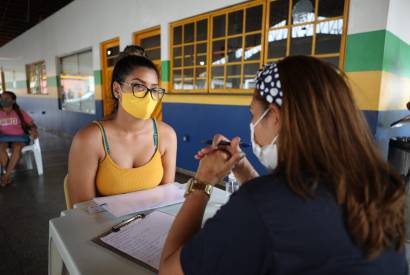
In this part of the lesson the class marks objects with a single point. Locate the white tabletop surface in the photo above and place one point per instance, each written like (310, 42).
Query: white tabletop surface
(72, 234)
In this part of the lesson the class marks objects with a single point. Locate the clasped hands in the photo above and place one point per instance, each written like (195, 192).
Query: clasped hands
(216, 161)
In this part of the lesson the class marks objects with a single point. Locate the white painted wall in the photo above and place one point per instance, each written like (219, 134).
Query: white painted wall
(399, 19)
(368, 15)
(373, 15)
(86, 23)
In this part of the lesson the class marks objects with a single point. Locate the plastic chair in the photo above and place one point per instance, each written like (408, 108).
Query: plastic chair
(35, 148)
(66, 194)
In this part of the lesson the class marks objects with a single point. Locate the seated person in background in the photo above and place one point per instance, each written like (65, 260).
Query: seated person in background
(330, 204)
(15, 128)
(129, 151)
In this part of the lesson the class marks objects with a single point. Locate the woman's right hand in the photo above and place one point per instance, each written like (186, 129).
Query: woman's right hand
(217, 162)
(214, 146)
(243, 169)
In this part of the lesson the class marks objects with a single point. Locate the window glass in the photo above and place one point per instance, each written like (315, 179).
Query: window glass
(77, 88)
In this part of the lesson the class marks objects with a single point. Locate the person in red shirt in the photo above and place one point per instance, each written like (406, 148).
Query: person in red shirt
(16, 127)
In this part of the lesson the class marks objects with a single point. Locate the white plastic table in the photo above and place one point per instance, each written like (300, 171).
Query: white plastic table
(71, 234)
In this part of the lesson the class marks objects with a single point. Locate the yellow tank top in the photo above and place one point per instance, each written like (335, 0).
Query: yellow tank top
(112, 179)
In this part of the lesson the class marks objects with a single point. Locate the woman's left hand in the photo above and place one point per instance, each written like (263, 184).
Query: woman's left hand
(215, 165)
(33, 133)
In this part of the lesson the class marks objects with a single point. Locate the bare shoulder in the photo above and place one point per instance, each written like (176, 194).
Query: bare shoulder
(86, 137)
(166, 131)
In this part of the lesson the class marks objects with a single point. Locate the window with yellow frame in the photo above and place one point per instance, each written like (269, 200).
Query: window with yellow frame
(236, 46)
(150, 40)
(220, 52)
(306, 27)
(189, 55)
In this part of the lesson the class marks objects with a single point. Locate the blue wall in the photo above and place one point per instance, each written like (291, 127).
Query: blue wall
(384, 132)
(47, 115)
(371, 117)
(197, 122)
(192, 123)
(200, 121)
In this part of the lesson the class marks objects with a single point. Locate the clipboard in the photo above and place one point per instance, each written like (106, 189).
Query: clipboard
(140, 240)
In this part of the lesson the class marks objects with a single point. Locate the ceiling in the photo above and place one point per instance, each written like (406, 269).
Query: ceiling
(17, 16)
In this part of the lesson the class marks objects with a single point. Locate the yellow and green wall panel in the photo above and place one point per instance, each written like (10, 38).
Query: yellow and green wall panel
(378, 65)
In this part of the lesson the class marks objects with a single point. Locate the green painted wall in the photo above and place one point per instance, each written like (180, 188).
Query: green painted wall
(377, 51)
(165, 67)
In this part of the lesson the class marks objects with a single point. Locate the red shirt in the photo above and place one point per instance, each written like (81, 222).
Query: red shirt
(10, 123)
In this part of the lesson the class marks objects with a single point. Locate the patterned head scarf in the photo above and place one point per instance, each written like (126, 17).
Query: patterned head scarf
(268, 84)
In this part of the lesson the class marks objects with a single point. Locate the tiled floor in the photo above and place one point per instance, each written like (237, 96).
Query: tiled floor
(25, 208)
(28, 204)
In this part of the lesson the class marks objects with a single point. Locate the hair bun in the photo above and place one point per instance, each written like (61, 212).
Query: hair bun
(132, 50)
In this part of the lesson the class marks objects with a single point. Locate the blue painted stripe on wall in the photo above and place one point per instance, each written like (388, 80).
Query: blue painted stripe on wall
(46, 114)
(371, 117)
(198, 122)
(195, 121)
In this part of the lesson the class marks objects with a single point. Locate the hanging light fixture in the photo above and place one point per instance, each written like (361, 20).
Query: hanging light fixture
(302, 10)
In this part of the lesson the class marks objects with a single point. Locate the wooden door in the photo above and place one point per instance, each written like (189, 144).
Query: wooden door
(109, 53)
(150, 40)
(2, 81)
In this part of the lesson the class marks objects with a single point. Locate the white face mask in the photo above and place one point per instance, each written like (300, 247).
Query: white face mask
(268, 154)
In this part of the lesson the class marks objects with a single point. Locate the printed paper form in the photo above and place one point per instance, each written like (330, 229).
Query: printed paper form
(143, 239)
(124, 204)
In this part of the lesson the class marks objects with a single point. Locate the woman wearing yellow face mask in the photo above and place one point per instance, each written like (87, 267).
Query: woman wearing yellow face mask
(130, 151)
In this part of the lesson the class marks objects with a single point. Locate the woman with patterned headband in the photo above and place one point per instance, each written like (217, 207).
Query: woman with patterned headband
(330, 204)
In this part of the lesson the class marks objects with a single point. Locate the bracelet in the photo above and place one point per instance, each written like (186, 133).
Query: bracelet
(194, 184)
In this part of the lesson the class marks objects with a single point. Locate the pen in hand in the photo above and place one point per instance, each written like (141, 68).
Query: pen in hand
(227, 143)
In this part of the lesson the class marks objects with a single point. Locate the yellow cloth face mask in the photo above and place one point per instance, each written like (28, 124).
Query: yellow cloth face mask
(141, 108)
